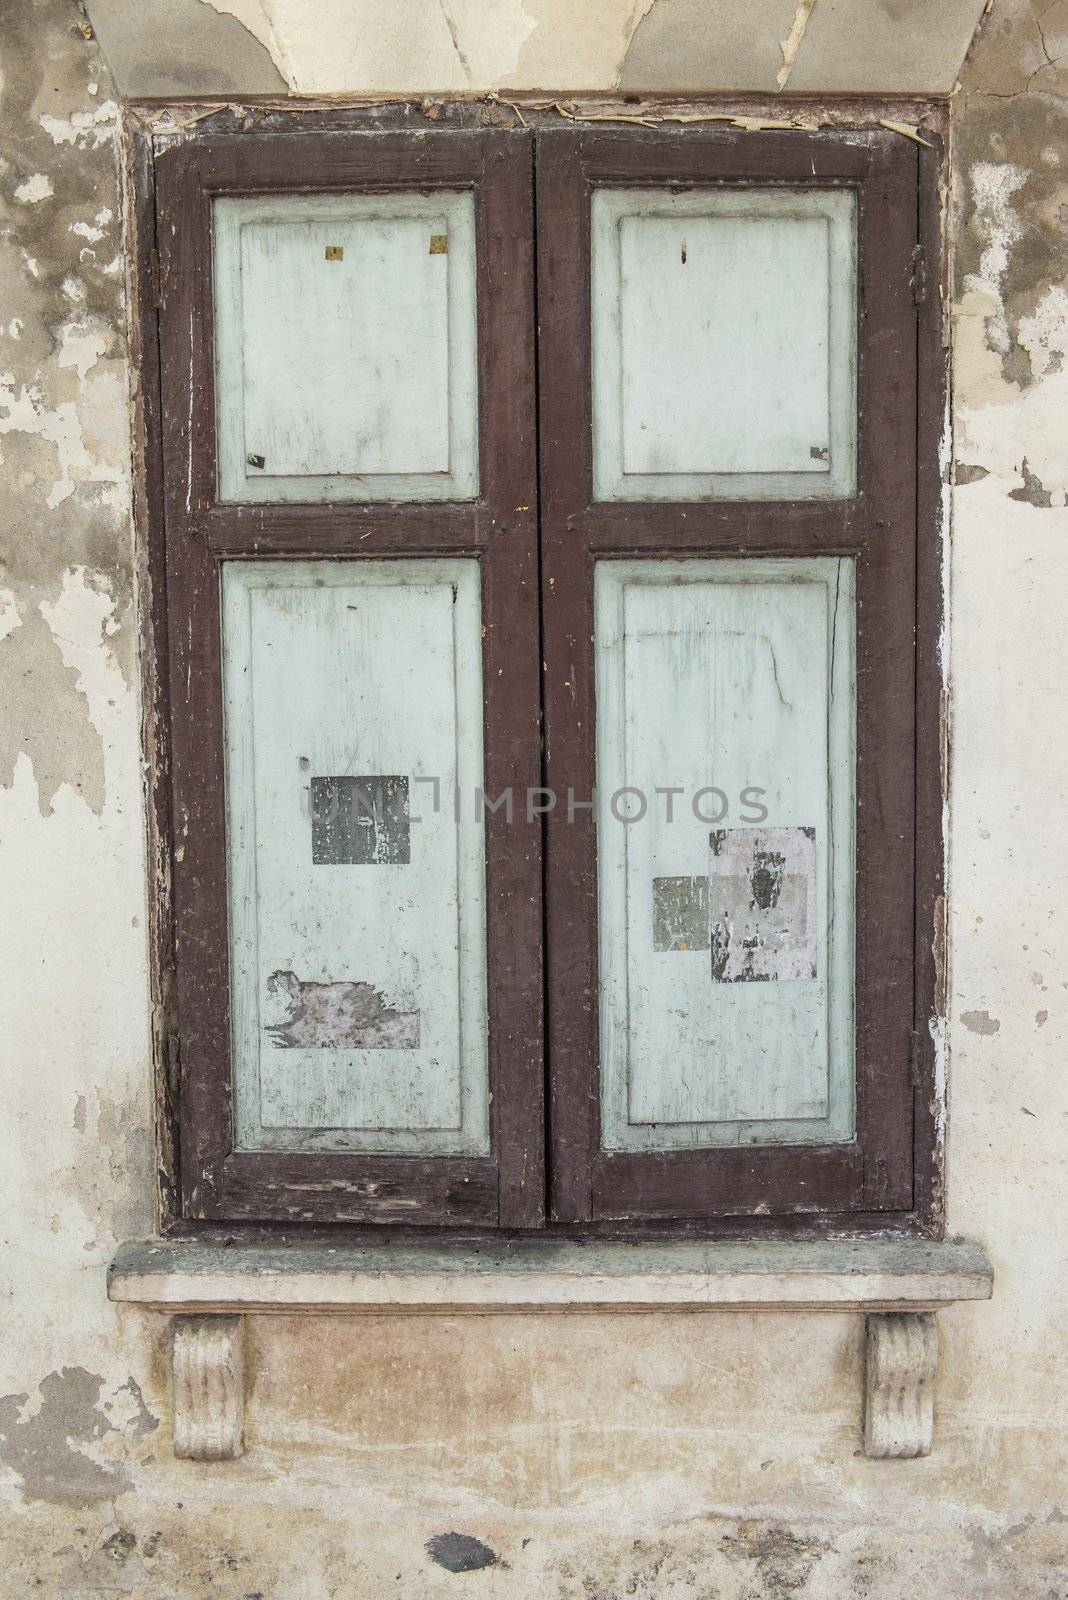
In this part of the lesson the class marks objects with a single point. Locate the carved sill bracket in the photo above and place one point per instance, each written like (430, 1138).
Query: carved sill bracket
(208, 1289)
(208, 1375)
(901, 1363)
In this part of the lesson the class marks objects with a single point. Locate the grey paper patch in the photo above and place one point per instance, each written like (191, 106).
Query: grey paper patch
(338, 1016)
(680, 914)
(360, 821)
(762, 904)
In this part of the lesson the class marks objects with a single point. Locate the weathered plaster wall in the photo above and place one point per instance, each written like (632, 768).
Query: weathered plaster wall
(673, 1457)
(327, 47)
(75, 1132)
(1009, 944)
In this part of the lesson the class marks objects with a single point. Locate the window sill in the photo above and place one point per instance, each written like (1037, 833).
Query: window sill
(915, 1275)
(208, 1289)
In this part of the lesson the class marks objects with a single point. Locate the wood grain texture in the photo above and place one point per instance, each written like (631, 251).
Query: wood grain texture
(932, 767)
(208, 1387)
(901, 1364)
(150, 553)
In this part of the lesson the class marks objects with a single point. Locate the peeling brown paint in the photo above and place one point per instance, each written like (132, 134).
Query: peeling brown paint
(938, 950)
(63, 410)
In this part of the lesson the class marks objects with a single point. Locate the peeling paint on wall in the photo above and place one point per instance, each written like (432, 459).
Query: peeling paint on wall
(1012, 252)
(792, 43)
(361, 46)
(53, 1442)
(64, 430)
(836, 46)
(1009, 780)
(328, 46)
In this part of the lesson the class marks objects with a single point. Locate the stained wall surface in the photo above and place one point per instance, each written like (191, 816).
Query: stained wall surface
(675, 1456)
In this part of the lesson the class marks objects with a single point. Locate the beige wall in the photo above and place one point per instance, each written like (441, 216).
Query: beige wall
(671, 1456)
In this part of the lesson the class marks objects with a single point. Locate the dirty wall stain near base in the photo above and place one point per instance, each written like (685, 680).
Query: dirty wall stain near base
(460, 1552)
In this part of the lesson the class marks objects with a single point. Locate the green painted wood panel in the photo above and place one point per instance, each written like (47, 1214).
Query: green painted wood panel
(724, 344)
(345, 347)
(726, 908)
(356, 892)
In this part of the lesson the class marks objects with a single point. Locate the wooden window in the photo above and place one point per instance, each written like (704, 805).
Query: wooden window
(652, 685)
(352, 595)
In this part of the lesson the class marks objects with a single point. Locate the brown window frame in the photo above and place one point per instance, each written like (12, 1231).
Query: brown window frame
(876, 526)
(545, 1171)
(506, 1188)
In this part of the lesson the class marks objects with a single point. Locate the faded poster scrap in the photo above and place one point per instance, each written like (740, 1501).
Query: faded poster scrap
(360, 821)
(337, 1016)
(762, 904)
(680, 914)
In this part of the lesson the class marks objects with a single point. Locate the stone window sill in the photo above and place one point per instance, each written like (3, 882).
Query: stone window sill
(209, 1288)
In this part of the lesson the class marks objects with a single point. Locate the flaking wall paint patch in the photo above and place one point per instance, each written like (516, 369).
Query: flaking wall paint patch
(64, 430)
(443, 45)
(1011, 197)
(336, 46)
(170, 48)
(49, 1442)
(75, 1135)
(801, 46)
(647, 45)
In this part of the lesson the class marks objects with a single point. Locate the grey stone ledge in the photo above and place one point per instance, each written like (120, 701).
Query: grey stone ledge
(546, 1275)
